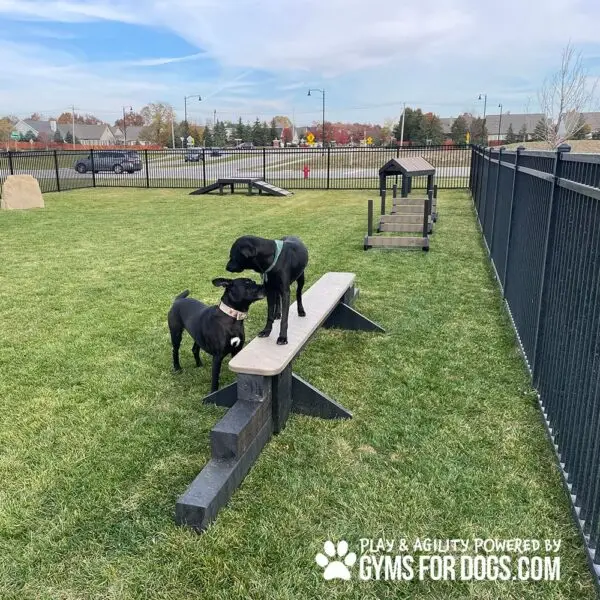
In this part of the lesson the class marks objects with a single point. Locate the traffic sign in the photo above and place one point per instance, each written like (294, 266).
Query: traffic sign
(190, 140)
(15, 135)
(369, 140)
(310, 138)
(468, 137)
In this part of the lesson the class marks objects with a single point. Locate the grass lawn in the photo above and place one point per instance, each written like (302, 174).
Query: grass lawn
(98, 437)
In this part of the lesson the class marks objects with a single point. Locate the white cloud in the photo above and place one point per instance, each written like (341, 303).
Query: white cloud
(438, 53)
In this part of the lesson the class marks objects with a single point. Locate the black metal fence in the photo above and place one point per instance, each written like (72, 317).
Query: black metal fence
(540, 217)
(292, 168)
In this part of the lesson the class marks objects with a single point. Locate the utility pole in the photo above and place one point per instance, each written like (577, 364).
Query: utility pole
(402, 126)
(125, 124)
(185, 99)
(73, 108)
(173, 130)
(214, 118)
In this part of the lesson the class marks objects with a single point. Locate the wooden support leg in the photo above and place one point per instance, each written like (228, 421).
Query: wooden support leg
(313, 403)
(345, 317)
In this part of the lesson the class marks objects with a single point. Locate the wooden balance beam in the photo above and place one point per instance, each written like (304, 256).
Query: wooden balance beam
(265, 393)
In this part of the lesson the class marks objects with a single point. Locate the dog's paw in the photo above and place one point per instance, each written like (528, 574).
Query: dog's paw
(277, 316)
(301, 312)
(264, 333)
(176, 370)
(282, 341)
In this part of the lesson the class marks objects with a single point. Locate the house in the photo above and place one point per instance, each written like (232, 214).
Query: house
(88, 135)
(129, 135)
(498, 125)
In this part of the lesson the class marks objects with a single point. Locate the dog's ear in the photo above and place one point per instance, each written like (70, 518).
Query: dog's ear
(221, 282)
(248, 251)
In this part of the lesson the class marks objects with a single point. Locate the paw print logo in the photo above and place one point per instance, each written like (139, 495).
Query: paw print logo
(336, 569)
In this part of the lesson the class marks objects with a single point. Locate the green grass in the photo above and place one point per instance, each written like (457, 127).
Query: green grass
(98, 438)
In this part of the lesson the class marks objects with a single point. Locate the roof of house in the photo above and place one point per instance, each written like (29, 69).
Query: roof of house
(133, 132)
(39, 126)
(592, 119)
(492, 122)
(83, 132)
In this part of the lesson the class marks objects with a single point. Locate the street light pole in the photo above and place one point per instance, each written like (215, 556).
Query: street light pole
(500, 122)
(484, 109)
(322, 92)
(185, 99)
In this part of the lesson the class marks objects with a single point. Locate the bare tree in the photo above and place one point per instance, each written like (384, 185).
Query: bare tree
(564, 96)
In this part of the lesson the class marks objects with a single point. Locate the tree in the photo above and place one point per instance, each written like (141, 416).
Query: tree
(583, 129)
(511, 136)
(208, 138)
(540, 133)
(220, 134)
(67, 117)
(273, 130)
(564, 96)
(282, 121)
(479, 132)
(157, 123)
(6, 128)
(459, 129)
(522, 135)
(58, 138)
(414, 127)
(35, 117)
(258, 134)
(132, 119)
(29, 136)
(432, 129)
(69, 138)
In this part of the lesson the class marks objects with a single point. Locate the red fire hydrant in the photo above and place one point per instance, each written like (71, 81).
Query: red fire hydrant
(306, 171)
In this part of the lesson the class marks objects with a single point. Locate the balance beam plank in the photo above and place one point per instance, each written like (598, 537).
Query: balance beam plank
(397, 242)
(262, 356)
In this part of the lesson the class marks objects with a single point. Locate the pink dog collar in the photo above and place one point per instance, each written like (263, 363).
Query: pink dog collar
(236, 314)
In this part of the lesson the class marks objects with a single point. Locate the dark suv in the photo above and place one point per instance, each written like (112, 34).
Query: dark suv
(110, 160)
(194, 155)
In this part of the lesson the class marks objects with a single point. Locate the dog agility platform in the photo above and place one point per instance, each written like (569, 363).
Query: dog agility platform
(251, 184)
(265, 393)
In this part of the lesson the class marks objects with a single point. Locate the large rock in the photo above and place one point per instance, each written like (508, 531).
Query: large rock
(21, 191)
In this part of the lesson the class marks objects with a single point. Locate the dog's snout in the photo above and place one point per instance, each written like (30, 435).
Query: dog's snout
(233, 267)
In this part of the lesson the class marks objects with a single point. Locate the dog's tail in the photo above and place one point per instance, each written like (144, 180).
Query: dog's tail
(183, 294)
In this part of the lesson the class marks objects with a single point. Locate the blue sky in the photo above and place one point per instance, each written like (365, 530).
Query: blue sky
(258, 57)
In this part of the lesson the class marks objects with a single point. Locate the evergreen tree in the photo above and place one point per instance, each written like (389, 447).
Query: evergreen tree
(258, 134)
(58, 138)
(220, 134)
(208, 138)
(458, 131)
(272, 131)
(540, 133)
(240, 131)
(522, 135)
(432, 130)
(511, 137)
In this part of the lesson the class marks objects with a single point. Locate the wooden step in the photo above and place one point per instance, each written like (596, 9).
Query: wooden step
(404, 227)
(396, 242)
(398, 218)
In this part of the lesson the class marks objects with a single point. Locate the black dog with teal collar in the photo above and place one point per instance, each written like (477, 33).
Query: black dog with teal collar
(280, 263)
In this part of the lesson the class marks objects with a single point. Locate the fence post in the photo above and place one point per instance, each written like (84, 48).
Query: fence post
(147, 172)
(513, 193)
(93, 169)
(548, 243)
(383, 192)
(264, 164)
(56, 171)
(10, 163)
(203, 167)
(370, 218)
(495, 200)
(328, 164)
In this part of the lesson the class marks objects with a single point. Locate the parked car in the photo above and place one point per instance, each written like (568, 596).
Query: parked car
(245, 146)
(216, 152)
(194, 155)
(109, 160)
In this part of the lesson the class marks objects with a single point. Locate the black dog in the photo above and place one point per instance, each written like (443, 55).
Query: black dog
(218, 330)
(280, 262)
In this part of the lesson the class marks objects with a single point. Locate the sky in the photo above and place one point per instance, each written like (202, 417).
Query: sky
(258, 58)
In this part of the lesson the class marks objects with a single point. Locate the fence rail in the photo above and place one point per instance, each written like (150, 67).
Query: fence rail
(330, 168)
(540, 217)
